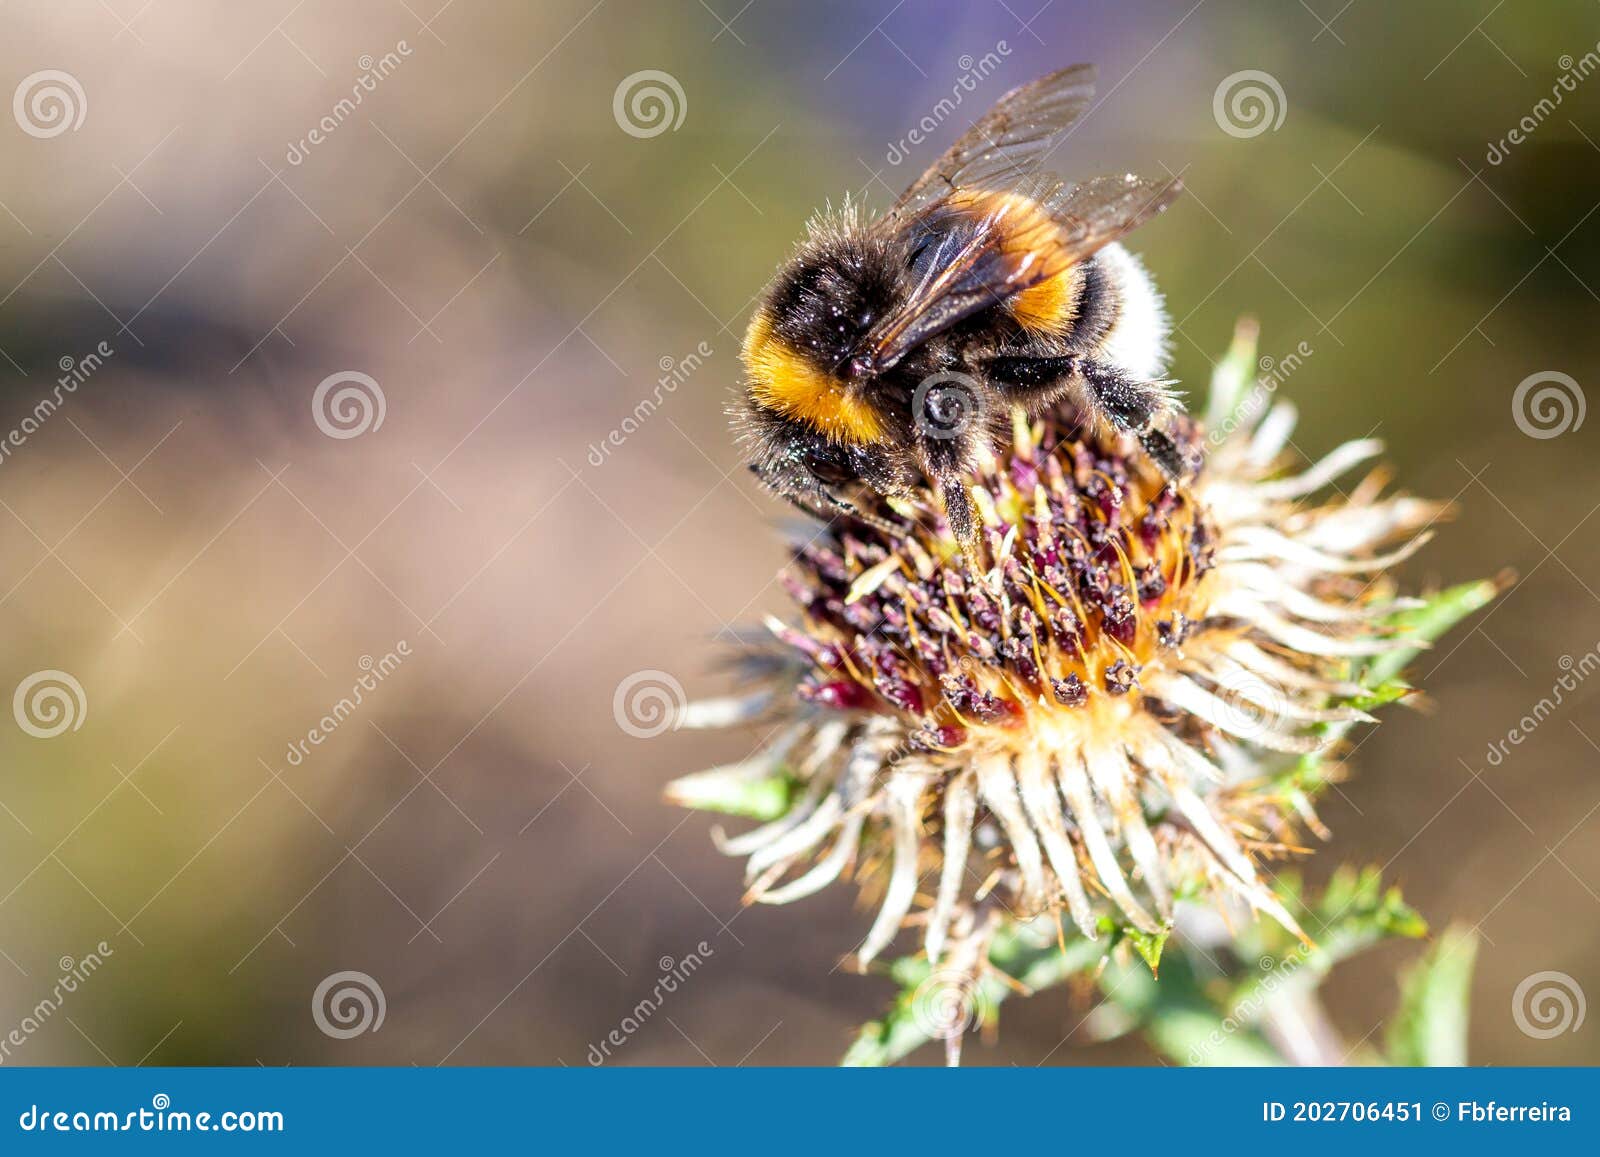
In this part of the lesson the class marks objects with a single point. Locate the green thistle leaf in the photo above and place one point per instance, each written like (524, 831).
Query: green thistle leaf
(1148, 946)
(729, 791)
(1233, 375)
(1427, 623)
(1381, 675)
(1430, 1027)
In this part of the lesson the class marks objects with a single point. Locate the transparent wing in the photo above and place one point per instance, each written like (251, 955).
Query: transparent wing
(1004, 149)
(1093, 213)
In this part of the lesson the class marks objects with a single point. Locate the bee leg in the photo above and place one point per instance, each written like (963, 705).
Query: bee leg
(1033, 383)
(850, 510)
(1164, 452)
(1125, 403)
(804, 492)
(946, 457)
(1138, 407)
(963, 522)
(1129, 404)
(791, 481)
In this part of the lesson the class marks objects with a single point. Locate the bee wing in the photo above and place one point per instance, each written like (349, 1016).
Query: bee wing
(1092, 214)
(1005, 148)
(977, 249)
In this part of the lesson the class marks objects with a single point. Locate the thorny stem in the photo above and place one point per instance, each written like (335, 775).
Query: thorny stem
(1298, 1027)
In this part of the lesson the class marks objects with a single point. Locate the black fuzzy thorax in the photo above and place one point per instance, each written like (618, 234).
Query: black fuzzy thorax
(827, 300)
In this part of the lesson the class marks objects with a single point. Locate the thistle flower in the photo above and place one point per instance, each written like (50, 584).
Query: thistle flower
(1097, 725)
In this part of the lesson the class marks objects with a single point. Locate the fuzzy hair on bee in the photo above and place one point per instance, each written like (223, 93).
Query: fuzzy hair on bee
(803, 431)
(889, 353)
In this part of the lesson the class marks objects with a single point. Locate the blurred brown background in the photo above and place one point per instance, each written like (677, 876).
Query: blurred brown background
(482, 237)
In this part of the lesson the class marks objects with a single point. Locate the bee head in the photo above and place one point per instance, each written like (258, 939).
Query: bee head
(803, 353)
(823, 305)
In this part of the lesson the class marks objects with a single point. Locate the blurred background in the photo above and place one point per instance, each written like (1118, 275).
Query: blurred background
(398, 336)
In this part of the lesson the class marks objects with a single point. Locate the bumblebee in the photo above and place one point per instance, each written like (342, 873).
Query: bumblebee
(889, 352)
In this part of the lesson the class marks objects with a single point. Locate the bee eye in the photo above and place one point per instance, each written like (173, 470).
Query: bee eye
(827, 469)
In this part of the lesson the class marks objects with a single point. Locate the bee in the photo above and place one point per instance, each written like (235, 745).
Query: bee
(886, 353)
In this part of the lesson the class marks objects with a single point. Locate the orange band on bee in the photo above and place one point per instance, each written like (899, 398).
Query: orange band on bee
(1022, 225)
(785, 381)
(1051, 306)
(1025, 227)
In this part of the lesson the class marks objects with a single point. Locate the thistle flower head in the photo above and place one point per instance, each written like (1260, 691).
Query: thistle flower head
(1095, 726)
